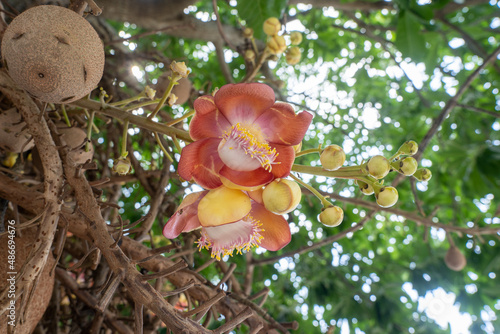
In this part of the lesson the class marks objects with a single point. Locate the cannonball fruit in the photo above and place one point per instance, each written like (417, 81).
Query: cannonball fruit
(454, 259)
(53, 53)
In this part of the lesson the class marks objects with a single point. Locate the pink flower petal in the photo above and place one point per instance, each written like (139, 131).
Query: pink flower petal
(285, 157)
(204, 104)
(185, 219)
(275, 230)
(258, 177)
(208, 120)
(200, 162)
(244, 103)
(281, 125)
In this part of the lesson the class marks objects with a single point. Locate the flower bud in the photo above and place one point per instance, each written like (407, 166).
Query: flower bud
(423, 174)
(332, 157)
(454, 259)
(406, 166)
(378, 167)
(122, 166)
(276, 44)
(172, 99)
(180, 68)
(293, 55)
(281, 196)
(249, 55)
(365, 188)
(386, 196)
(271, 26)
(410, 147)
(295, 37)
(150, 92)
(248, 32)
(331, 216)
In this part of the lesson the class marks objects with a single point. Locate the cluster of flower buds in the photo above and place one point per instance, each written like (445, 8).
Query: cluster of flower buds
(378, 167)
(276, 44)
(369, 175)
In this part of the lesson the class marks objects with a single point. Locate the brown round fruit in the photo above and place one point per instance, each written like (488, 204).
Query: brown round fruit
(53, 53)
(454, 259)
(14, 136)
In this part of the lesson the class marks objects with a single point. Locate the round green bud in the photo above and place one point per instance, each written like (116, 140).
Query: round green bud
(249, 55)
(332, 157)
(410, 147)
(331, 216)
(271, 26)
(365, 188)
(293, 55)
(378, 167)
(281, 196)
(295, 37)
(423, 174)
(406, 166)
(248, 32)
(387, 196)
(276, 44)
(454, 259)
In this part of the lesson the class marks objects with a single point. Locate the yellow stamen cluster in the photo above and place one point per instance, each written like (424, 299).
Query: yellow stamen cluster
(252, 146)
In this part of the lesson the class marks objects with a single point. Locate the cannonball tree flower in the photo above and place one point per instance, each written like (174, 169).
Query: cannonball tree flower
(242, 138)
(230, 220)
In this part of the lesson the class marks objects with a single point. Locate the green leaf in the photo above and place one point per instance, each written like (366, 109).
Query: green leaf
(409, 38)
(257, 11)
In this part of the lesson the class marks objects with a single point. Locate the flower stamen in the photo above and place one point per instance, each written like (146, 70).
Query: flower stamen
(240, 143)
(225, 239)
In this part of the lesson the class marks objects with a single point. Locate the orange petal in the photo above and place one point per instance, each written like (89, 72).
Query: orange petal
(200, 162)
(284, 160)
(209, 122)
(247, 180)
(281, 125)
(276, 232)
(245, 102)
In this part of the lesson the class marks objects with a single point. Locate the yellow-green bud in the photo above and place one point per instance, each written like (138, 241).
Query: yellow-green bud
(281, 196)
(276, 44)
(295, 37)
(365, 188)
(332, 157)
(122, 166)
(423, 174)
(271, 26)
(172, 99)
(293, 55)
(331, 216)
(410, 147)
(386, 196)
(406, 166)
(150, 92)
(378, 167)
(454, 259)
(180, 68)
(248, 32)
(249, 55)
